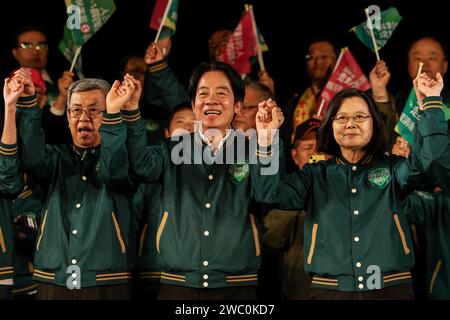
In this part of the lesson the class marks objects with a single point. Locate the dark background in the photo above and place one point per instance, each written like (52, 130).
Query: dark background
(286, 25)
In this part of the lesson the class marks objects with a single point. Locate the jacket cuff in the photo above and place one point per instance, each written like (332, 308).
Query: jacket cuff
(131, 116)
(432, 102)
(8, 149)
(112, 118)
(27, 102)
(158, 66)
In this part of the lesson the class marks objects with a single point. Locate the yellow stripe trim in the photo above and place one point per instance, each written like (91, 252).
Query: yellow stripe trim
(325, 283)
(7, 272)
(2, 241)
(402, 234)
(141, 242)
(397, 275)
(111, 123)
(113, 274)
(44, 277)
(116, 225)
(243, 280)
(6, 268)
(34, 286)
(313, 243)
(173, 279)
(324, 279)
(244, 276)
(399, 278)
(160, 229)
(44, 273)
(435, 273)
(173, 275)
(25, 194)
(113, 278)
(255, 235)
(42, 230)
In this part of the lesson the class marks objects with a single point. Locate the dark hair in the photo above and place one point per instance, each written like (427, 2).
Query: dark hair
(261, 88)
(22, 30)
(327, 39)
(327, 143)
(237, 84)
(182, 106)
(426, 36)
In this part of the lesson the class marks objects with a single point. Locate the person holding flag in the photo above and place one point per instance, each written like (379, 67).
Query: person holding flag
(360, 247)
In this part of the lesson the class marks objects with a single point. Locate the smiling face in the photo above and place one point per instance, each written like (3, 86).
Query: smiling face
(430, 52)
(84, 130)
(353, 135)
(214, 103)
(27, 54)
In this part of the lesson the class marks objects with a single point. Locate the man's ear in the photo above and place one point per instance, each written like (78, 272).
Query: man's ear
(445, 67)
(14, 52)
(166, 133)
(293, 155)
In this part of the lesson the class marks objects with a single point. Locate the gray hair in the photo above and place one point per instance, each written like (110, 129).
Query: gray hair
(88, 84)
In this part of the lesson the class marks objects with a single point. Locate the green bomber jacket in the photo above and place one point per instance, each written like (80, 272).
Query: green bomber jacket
(206, 236)
(355, 236)
(85, 235)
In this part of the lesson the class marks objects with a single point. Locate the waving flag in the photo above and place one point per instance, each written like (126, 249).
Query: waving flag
(389, 19)
(346, 74)
(164, 18)
(91, 15)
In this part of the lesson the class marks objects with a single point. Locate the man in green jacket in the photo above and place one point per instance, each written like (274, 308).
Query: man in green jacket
(10, 185)
(209, 244)
(83, 249)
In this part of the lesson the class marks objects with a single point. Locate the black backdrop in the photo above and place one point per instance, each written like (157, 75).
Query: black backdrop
(287, 26)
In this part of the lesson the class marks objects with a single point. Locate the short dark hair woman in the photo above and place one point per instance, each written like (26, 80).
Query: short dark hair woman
(355, 239)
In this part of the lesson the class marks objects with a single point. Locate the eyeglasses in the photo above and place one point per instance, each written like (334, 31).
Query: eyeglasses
(92, 113)
(29, 45)
(342, 118)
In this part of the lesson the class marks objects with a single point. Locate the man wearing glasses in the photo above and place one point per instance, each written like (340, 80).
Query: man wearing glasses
(82, 249)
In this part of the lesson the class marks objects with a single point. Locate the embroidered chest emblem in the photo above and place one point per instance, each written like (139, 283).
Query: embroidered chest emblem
(379, 177)
(239, 171)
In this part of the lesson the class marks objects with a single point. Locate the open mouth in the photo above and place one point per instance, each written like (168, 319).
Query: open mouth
(84, 131)
(212, 112)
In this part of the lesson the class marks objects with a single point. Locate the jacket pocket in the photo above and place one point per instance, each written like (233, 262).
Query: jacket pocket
(2, 241)
(255, 235)
(42, 230)
(435, 273)
(313, 243)
(402, 234)
(142, 238)
(161, 229)
(119, 236)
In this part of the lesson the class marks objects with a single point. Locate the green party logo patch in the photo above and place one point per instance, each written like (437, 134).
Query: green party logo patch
(379, 177)
(239, 171)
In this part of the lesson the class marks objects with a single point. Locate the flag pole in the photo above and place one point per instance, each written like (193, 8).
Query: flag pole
(371, 34)
(260, 56)
(322, 103)
(419, 71)
(169, 3)
(77, 53)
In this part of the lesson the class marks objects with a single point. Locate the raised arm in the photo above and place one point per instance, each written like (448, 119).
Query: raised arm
(10, 179)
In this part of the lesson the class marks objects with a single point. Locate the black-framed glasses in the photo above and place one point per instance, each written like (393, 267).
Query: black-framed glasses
(28, 45)
(93, 112)
(343, 118)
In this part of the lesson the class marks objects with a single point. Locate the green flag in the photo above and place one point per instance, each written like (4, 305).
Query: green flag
(389, 19)
(408, 119)
(167, 23)
(86, 17)
(262, 43)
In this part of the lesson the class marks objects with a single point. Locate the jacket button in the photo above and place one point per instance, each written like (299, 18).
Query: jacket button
(205, 284)
(210, 177)
(208, 205)
(353, 190)
(358, 264)
(360, 278)
(205, 263)
(361, 286)
(78, 205)
(74, 232)
(74, 275)
(74, 261)
(205, 276)
(356, 212)
(354, 168)
(206, 233)
(84, 178)
(74, 282)
(356, 239)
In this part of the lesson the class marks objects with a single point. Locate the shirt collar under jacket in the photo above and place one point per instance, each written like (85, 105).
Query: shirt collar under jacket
(221, 142)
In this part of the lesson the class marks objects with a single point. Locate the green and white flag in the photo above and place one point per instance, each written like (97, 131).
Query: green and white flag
(164, 18)
(86, 17)
(409, 118)
(389, 19)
